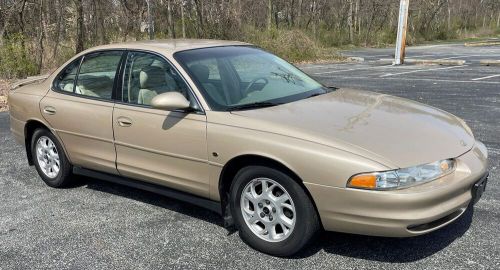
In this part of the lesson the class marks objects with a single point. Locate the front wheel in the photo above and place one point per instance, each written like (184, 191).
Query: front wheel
(272, 211)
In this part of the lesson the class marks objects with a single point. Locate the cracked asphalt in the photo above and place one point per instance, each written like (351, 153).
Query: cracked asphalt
(99, 225)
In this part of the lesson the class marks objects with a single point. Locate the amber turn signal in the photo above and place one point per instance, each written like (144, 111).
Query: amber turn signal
(363, 181)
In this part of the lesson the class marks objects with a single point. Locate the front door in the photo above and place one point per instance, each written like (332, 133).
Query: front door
(164, 147)
(80, 110)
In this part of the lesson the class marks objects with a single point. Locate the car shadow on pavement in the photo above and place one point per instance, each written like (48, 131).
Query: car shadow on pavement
(152, 199)
(383, 249)
(393, 250)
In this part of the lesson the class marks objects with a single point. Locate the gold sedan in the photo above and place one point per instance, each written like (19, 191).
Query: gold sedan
(235, 129)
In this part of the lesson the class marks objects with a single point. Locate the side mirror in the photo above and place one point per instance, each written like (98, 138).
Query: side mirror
(170, 101)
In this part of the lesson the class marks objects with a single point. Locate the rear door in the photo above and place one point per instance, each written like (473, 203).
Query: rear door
(164, 147)
(80, 109)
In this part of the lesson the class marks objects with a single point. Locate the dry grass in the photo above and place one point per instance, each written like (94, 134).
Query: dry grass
(292, 45)
(4, 89)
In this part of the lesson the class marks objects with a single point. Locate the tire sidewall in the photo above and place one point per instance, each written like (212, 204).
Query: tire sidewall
(59, 180)
(296, 240)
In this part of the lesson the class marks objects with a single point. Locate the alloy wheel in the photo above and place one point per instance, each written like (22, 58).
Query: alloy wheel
(268, 209)
(48, 157)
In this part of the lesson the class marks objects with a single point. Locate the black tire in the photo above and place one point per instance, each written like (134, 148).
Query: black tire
(307, 224)
(64, 176)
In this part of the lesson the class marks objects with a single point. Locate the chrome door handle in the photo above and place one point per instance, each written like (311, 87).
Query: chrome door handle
(124, 121)
(49, 110)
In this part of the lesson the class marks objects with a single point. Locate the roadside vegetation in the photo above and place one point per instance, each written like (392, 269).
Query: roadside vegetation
(38, 35)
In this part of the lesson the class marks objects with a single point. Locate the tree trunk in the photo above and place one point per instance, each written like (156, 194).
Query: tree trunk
(276, 18)
(238, 12)
(59, 27)
(41, 32)
(197, 6)
(313, 16)
(80, 34)
(100, 27)
(356, 14)
(449, 16)
(358, 19)
(299, 13)
(21, 25)
(171, 26)
(182, 20)
(350, 22)
(269, 14)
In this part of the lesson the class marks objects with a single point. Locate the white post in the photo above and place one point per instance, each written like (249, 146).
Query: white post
(402, 27)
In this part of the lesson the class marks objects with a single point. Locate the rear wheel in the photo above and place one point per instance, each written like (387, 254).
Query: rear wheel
(50, 160)
(272, 211)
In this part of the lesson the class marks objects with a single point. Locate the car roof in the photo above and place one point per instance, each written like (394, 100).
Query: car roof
(169, 45)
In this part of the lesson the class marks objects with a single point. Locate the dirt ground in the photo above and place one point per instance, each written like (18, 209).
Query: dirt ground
(4, 88)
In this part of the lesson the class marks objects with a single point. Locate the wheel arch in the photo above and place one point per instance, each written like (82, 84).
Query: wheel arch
(29, 128)
(235, 164)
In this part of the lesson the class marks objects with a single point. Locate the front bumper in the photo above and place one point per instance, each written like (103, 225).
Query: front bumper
(406, 212)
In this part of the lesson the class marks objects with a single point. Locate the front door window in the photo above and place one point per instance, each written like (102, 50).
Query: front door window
(147, 75)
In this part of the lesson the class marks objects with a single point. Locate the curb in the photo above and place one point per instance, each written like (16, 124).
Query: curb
(489, 62)
(426, 62)
(479, 44)
(355, 59)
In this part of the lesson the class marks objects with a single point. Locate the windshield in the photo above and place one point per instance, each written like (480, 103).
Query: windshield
(241, 77)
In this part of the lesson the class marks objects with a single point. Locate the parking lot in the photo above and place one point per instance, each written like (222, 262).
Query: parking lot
(98, 225)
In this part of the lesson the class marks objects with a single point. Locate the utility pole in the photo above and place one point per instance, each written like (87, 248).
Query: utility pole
(402, 28)
(151, 27)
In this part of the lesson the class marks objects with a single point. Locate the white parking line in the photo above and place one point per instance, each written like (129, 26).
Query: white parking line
(419, 56)
(441, 80)
(351, 69)
(487, 77)
(461, 56)
(363, 54)
(419, 70)
(377, 55)
(434, 46)
(410, 79)
(325, 66)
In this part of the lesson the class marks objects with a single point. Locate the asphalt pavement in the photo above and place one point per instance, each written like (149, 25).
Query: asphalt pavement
(98, 225)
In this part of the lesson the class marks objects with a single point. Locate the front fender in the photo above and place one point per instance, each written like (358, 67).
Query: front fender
(311, 162)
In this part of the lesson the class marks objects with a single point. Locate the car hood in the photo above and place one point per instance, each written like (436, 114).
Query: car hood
(393, 131)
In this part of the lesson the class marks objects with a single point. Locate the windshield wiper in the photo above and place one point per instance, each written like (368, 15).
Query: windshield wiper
(253, 105)
(315, 95)
(326, 91)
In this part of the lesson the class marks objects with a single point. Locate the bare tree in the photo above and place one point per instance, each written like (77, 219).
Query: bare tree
(80, 33)
(55, 29)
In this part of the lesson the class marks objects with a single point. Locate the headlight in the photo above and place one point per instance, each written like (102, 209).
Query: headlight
(402, 178)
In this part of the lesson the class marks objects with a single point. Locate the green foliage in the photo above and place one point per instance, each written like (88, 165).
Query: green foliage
(386, 36)
(15, 60)
(333, 38)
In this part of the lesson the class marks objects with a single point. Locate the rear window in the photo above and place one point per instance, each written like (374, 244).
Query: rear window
(65, 81)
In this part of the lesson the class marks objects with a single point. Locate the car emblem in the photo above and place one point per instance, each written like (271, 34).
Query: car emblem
(463, 143)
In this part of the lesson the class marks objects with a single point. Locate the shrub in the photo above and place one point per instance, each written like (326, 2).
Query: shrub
(292, 45)
(15, 61)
